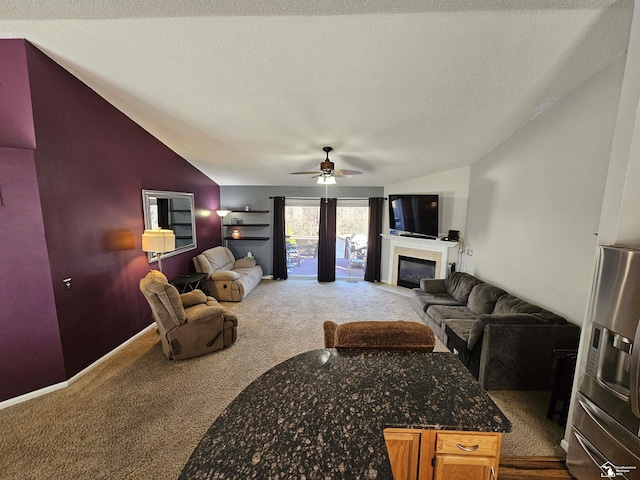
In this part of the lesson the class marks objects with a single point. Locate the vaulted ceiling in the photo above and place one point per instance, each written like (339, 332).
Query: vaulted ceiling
(250, 91)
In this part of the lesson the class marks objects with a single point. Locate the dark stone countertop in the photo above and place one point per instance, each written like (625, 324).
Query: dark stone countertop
(321, 415)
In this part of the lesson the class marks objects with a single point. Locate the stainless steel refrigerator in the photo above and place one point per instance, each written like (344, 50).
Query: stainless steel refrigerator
(605, 428)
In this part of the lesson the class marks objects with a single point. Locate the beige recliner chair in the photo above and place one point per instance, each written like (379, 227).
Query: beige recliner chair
(190, 324)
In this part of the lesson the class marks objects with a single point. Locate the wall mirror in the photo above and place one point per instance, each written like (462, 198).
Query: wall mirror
(172, 210)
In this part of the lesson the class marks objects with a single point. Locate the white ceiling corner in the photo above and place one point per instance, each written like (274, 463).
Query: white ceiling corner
(249, 93)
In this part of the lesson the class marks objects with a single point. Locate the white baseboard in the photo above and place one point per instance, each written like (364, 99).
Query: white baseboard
(52, 388)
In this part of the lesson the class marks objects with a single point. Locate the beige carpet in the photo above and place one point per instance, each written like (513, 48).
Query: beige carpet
(138, 415)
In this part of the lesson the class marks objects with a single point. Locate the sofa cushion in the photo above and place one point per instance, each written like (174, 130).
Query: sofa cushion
(460, 327)
(508, 304)
(442, 313)
(459, 286)
(425, 300)
(483, 298)
(512, 304)
(217, 258)
(514, 319)
(245, 262)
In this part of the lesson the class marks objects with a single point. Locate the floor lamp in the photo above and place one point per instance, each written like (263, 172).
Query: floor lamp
(222, 213)
(158, 241)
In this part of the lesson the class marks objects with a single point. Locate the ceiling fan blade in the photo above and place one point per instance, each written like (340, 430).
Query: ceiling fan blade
(348, 172)
(312, 172)
(341, 175)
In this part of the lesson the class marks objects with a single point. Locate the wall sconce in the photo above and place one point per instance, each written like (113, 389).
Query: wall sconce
(158, 241)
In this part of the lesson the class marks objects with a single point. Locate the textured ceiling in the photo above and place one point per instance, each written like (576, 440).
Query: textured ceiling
(249, 91)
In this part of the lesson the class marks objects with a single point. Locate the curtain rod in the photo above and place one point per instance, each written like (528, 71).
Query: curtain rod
(339, 198)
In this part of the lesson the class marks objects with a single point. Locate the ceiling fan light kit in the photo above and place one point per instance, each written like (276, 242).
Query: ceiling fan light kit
(326, 180)
(327, 173)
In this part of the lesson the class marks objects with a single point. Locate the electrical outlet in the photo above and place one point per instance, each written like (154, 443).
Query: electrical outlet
(67, 283)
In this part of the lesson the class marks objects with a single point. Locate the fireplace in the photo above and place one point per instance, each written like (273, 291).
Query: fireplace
(438, 251)
(411, 270)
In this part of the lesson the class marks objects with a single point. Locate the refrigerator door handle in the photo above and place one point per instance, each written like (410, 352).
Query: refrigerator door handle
(596, 457)
(634, 372)
(609, 425)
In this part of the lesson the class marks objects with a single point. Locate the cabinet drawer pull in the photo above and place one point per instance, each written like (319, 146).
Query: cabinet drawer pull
(468, 449)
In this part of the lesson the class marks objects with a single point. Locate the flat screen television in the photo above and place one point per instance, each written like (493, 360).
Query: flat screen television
(414, 214)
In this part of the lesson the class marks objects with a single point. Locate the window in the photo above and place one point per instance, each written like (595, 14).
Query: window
(302, 220)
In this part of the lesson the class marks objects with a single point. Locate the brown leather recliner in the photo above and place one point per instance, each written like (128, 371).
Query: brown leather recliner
(385, 335)
(190, 324)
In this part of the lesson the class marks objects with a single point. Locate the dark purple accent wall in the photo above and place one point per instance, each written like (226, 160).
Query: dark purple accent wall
(91, 164)
(30, 349)
(16, 121)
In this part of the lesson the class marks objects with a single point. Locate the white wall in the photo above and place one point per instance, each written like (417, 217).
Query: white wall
(619, 221)
(453, 188)
(535, 200)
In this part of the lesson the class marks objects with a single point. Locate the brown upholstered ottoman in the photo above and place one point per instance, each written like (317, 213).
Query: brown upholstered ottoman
(388, 335)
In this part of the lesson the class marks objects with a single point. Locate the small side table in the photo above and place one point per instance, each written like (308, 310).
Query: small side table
(188, 282)
(562, 370)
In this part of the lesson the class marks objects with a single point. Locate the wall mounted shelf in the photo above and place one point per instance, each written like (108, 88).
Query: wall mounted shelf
(247, 231)
(249, 211)
(246, 224)
(246, 238)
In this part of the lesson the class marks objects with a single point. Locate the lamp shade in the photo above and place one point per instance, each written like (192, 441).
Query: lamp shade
(326, 180)
(159, 240)
(222, 212)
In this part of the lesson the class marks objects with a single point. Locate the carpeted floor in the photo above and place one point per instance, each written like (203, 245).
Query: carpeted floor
(138, 415)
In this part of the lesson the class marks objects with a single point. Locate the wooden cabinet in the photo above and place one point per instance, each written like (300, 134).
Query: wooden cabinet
(467, 455)
(442, 455)
(403, 447)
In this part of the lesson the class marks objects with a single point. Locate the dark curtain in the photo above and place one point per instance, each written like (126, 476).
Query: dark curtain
(163, 213)
(279, 240)
(327, 240)
(374, 244)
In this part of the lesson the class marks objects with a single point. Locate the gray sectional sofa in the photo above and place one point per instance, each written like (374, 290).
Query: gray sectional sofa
(505, 342)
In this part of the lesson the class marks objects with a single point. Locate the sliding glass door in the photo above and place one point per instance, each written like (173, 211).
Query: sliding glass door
(352, 230)
(302, 221)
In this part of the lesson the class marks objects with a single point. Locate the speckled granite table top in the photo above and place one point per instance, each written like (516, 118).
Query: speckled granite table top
(321, 415)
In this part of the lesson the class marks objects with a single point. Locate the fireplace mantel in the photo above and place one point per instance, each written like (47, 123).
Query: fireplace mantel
(439, 251)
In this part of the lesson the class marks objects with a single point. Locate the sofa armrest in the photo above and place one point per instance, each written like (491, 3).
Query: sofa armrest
(192, 298)
(230, 317)
(517, 356)
(204, 313)
(429, 285)
(224, 275)
(329, 329)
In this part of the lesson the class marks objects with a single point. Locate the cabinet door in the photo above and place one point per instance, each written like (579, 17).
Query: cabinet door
(403, 447)
(467, 467)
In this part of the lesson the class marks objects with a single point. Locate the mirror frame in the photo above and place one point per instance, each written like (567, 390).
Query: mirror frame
(147, 196)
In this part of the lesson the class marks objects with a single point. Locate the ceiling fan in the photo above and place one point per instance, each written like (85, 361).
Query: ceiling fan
(327, 173)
